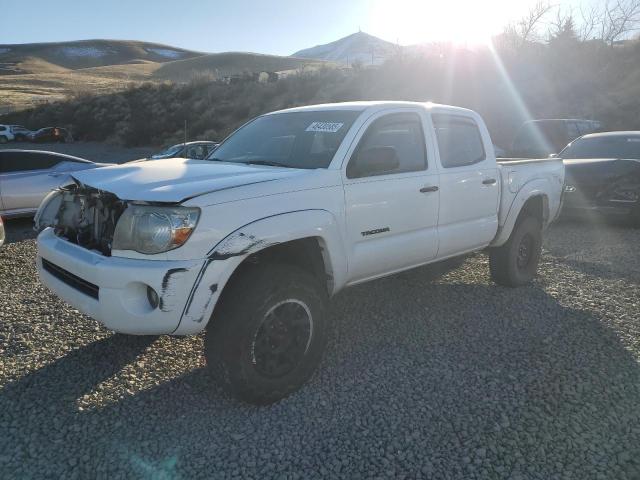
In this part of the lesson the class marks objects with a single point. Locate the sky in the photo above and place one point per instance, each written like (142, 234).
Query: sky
(277, 26)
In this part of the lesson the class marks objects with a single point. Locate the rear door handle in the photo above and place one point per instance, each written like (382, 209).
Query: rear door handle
(432, 188)
(489, 181)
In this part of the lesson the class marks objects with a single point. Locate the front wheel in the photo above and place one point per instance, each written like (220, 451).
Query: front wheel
(267, 338)
(516, 262)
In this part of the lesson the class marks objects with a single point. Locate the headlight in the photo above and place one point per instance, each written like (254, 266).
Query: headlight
(149, 229)
(48, 211)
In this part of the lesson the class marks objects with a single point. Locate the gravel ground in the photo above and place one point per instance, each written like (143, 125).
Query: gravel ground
(447, 378)
(94, 151)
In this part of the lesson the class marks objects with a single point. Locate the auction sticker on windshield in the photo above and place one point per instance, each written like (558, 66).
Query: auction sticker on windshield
(328, 127)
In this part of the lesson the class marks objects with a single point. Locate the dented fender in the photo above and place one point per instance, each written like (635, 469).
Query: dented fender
(225, 257)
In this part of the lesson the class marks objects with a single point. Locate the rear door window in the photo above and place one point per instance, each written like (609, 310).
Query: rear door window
(459, 140)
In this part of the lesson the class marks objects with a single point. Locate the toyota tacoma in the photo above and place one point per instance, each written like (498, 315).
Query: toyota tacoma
(251, 243)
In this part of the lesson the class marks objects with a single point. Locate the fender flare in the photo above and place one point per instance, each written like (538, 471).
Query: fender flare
(227, 255)
(535, 188)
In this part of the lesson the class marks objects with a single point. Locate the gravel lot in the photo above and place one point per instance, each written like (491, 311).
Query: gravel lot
(94, 151)
(447, 378)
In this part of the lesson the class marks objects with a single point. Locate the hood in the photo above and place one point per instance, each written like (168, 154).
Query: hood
(177, 179)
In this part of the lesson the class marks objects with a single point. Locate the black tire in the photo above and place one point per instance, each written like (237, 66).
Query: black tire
(516, 262)
(268, 313)
(3, 139)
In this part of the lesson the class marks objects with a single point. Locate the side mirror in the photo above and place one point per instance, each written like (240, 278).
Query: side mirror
(373, 161)
(554, 155)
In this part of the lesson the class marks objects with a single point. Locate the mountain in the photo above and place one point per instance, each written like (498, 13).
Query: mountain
(357, 47)
(59, 57)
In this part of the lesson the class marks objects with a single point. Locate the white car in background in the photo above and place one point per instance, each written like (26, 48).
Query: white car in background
(20, 133)
(6, 135)
(27, 176)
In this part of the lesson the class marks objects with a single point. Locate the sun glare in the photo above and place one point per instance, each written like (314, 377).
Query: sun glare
(466, 22)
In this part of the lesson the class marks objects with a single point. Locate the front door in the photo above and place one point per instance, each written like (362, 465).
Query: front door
(391, 195)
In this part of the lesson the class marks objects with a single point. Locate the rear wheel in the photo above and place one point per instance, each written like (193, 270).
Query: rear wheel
(269, 333)
(516, 262)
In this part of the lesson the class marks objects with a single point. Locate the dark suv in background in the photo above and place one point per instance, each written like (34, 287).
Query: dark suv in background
(51, 135)
(541, 138)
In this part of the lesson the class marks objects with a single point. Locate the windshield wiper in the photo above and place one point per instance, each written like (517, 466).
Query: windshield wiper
(253, 162)
(267, 162)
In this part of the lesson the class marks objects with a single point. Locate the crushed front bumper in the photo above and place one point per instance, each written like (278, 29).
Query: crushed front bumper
(114, 290)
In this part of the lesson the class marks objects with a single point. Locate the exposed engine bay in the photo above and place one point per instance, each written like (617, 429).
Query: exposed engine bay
(82, 215)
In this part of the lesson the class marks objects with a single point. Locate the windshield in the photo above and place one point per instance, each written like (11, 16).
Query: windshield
(618, 146)
(168, 152)
(295, 139)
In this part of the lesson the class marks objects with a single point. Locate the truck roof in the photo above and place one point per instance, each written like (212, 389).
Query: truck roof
(373, 106)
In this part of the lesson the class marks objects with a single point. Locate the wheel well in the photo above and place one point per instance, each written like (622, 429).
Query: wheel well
(536, 207)
(304, 253)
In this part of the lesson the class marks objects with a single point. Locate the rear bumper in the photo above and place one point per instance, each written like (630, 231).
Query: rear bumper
(114, 290)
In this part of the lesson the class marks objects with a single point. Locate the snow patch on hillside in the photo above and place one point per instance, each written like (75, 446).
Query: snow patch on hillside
(92, 52)
(165, 52)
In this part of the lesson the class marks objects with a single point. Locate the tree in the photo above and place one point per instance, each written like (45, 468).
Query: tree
(562, 30)
(619, 19)
(518, 34)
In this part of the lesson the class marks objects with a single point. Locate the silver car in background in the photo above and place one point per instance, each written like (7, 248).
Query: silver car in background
(27, 176)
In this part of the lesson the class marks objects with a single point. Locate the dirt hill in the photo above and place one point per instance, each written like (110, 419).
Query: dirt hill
(59, 57)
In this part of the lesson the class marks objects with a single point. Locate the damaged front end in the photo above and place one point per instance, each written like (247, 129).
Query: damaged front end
(82, 215)
(100, 221)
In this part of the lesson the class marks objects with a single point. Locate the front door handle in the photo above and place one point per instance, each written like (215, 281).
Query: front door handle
(432, 188)
(489, 181)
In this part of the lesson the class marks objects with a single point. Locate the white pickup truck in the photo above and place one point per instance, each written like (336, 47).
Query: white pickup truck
(294, 206)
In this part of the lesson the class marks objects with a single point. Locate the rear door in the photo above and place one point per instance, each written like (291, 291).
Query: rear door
(391, 216)
(469, 185)
(25, 179)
